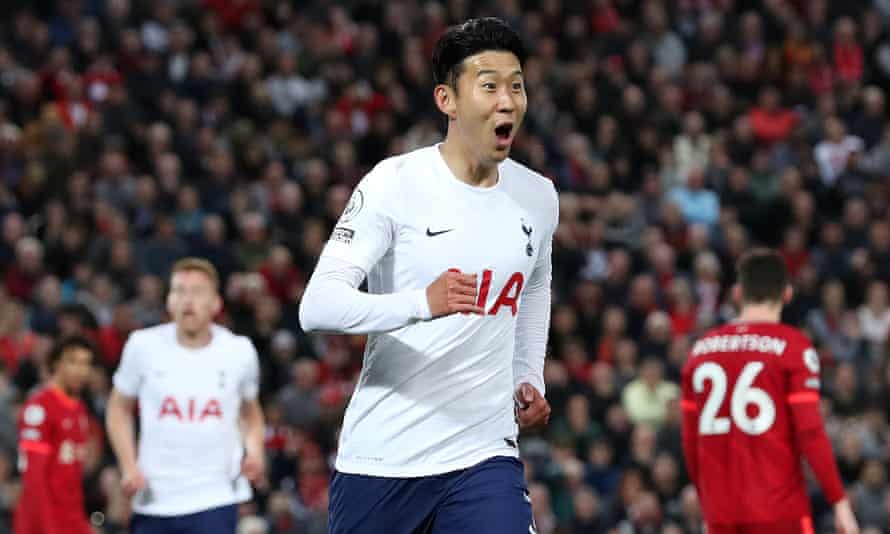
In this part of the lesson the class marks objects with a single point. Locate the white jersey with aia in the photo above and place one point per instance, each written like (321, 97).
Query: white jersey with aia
(190, 445)
(436, 396)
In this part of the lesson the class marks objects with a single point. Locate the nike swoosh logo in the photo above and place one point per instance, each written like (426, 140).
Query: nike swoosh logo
(440, 232)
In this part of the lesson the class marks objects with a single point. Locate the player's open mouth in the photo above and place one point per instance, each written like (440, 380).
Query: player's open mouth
(503, 132)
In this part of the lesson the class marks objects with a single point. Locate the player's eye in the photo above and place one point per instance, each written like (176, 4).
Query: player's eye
(491, 86)
(517, 86)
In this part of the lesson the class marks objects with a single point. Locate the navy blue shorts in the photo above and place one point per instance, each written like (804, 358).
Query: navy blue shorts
(221, 520)
(490, 497)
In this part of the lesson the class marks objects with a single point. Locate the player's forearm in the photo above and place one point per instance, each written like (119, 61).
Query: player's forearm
(813, 442)
(532, 326)
(254, 427)
(332, 303)
(816, 447)
(121, 433)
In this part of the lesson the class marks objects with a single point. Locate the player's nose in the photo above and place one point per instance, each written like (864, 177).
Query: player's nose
(506, 101)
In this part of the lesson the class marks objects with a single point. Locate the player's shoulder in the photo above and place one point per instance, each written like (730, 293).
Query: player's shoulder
(532, 190)
(38, 406)
(395, 173)
(240, 345)
(156, 334)
(526, 180)
(39, 395)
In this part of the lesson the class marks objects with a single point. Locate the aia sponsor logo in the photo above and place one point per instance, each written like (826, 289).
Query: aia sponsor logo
(190, 411)
(508, 296)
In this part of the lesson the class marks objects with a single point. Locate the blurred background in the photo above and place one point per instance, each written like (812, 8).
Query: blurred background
(678, 132)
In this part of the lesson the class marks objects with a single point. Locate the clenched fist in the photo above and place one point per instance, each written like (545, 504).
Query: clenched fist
(453, 292)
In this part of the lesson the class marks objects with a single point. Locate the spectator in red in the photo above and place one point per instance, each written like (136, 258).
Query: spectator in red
(771, 122)
(235, 15)
(27, 270)
(794, 250)
(605, 18)
(280, 273)
(847, 52)
(17, 341)
(111, 337)
(683, 311)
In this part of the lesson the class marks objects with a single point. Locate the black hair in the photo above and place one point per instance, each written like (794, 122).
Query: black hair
(65, 344)
(468, 39)
(762, 276)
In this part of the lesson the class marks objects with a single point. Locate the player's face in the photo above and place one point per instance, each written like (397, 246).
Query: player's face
(193, 301)
(73, 369)
(490, 104)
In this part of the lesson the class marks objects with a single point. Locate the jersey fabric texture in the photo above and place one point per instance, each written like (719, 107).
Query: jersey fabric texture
(751, 411)
(53, 432)
(190, 446)
(437, 396)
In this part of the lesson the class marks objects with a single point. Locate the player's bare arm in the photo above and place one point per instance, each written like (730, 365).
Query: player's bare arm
(453, 292)
(121, 434)
(532, 409)
(254, 465)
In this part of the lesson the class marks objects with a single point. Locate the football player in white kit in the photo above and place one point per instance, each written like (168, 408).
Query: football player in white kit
(201, 424)
(455, 243)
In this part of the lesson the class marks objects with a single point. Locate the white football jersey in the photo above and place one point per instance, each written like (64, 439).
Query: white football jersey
(190, 445)
(437, 396)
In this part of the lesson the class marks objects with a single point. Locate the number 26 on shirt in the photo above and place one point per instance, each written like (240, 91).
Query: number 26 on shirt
(743, 395)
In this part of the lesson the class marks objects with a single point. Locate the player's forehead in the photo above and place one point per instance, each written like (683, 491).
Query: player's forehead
(190, 278)
(492, 63)
(77, 354)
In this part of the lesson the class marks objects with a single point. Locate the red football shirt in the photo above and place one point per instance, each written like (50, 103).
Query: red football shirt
(53, 430)
(751, 411)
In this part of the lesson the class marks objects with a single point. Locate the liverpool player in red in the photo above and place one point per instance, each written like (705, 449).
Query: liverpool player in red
(751, 409)
(53, 428)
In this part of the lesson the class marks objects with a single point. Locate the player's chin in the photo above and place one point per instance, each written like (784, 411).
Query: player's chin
(500, 153)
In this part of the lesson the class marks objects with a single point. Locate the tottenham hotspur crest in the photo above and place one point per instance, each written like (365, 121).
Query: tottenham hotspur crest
(527, 230)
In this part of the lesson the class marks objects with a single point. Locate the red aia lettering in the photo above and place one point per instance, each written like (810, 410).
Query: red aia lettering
(169, 407)
(509, 295)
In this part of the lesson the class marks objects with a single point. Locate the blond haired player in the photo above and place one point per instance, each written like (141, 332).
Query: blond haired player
(201, 425)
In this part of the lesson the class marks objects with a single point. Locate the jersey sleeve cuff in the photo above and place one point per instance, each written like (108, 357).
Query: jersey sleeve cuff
(422, 305)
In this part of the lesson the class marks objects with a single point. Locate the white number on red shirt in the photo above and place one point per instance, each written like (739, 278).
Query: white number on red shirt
(743, 394)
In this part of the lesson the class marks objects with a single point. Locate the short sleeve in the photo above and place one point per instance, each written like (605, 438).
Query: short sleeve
(35, 430)
(366, 228)
(128, 376)
(249, 387)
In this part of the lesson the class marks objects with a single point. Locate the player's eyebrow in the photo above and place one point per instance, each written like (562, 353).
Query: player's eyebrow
(483, 72)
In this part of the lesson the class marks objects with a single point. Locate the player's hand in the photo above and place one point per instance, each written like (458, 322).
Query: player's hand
(253, 467)
(532, 409)
(453, 292)
(844, 520)
(132, 482)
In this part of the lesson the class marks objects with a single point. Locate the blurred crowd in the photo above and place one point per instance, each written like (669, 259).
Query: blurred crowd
(678, 132)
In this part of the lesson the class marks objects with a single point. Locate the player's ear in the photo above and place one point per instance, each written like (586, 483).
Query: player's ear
(737, 294)
(788, 294)
(217, 305)
(445, 97)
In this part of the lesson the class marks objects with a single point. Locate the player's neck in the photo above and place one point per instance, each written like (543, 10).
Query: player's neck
(760, 313)
(194, 340)
(464, 166)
